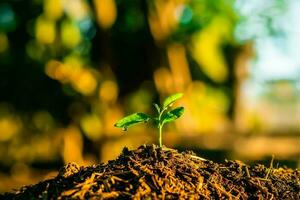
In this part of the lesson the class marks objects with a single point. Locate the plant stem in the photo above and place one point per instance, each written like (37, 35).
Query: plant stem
(161, 113)
(160, 135)
(160, 125)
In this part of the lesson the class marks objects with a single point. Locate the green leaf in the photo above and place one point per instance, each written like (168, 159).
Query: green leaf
(131, 120)
(171, 99)
(157, 107)
(172, 115)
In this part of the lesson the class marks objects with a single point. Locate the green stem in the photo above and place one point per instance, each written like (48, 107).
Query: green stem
(160, 125)
(161, 113)
(160, 135)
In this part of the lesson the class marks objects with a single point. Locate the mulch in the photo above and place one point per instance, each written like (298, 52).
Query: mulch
(151, 172)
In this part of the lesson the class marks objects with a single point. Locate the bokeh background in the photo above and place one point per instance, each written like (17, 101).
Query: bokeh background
(69, 69)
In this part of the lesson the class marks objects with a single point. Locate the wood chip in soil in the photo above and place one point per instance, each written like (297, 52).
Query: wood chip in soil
(150, 172)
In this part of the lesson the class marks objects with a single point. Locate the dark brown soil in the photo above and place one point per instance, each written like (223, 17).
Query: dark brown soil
(150, 172)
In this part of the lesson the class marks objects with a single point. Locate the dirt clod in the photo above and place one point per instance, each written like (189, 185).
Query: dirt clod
(150, 172)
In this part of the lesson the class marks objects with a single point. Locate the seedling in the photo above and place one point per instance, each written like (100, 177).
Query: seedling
(164, 115)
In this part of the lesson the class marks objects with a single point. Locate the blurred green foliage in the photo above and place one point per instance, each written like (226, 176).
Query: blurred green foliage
(67, 62)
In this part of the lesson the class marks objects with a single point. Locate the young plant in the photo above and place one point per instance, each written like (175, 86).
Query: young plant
(164, 115)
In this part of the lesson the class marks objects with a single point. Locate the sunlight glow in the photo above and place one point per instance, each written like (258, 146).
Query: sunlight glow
(207, 50)
(106, 12)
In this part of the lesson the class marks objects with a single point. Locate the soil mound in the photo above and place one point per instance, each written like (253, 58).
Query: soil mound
(150, 172)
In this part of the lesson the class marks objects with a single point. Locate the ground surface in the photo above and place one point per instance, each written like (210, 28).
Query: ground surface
(150, 172)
